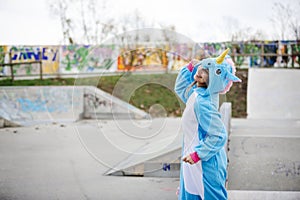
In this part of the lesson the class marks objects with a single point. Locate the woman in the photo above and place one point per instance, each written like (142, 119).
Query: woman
(203, 170)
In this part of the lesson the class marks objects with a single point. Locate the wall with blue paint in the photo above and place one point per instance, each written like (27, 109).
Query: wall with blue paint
(24, 105)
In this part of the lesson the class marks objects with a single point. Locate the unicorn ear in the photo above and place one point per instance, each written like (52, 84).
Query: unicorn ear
(233, 78)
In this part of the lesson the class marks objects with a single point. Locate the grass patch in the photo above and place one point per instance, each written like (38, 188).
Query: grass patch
(37, 82)
(144, 91)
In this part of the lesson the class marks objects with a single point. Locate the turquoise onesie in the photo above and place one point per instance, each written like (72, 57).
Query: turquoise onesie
(203, 130)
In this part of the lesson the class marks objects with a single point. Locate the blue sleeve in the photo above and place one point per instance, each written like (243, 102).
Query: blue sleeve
(210, 123)
(183, 81)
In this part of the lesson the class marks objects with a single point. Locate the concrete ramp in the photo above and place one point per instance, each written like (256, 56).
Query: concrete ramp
(163, 163)
(273, 94)
(149, 162)
(158, 153)
(26, 106)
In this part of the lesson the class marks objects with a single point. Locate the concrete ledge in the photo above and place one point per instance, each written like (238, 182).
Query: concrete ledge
(225, 111)
(262, 195)
(273, 93)
(5, 123)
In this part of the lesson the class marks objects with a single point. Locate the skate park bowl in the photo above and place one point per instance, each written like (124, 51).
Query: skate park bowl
(25, 106)
(264, 161)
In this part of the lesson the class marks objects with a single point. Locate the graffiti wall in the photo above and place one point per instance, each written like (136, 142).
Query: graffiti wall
(72, 59)
(154, 57)
(58, 59)
(28, 57)
(2, 58)
(142, 58)
(85, 59)
(255, 54)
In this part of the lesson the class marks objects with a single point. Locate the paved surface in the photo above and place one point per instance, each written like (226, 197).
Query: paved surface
(273, 93)
(264, 155)
(68, 161)
(262, 195)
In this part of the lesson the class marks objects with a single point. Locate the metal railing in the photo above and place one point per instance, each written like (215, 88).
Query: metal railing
(12, 64)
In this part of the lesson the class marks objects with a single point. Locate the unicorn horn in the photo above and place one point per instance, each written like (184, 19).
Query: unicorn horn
(221, 57)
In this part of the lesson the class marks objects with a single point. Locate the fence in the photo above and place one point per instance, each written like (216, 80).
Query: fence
(11, 64)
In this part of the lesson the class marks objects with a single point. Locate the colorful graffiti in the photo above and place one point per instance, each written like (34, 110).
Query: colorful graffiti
(47, 54)
(2, 57)
(255, 54)
(154, 58)
(147, 57)
(76, 58)
(142, 58)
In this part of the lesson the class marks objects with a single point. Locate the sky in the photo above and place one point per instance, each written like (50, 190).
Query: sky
(30, 22)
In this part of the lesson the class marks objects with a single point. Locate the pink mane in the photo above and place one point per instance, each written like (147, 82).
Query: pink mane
(228, 86)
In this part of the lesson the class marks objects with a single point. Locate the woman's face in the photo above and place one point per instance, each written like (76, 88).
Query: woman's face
(201, 77)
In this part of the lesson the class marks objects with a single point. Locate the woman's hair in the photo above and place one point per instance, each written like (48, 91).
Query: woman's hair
(186, 94)
(194, 83)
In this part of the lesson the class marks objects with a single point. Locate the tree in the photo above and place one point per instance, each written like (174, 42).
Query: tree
(295, 22)
(83, 21)
(91, 22)
(236, 32)
(248, 34)
(60, 8)
(286, 20)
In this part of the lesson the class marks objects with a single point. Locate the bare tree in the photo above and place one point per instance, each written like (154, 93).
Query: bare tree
(236, 32)
(280, 19)
(90, 22)
(295, 21)
(248, 34)
(286, 19)
(83, 21)
(133, 29)
(60, 8)
(231, 27)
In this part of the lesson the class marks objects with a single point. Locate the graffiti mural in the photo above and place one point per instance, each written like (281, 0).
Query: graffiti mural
(80, 58)
(2, 59)
(70, 59)
(254, 54)
(154, 58)
(27, 54)
(142, 58)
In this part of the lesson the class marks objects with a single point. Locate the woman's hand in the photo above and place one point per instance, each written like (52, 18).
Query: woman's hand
(188, 159)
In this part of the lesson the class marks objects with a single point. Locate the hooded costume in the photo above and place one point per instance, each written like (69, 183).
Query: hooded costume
(203, 130)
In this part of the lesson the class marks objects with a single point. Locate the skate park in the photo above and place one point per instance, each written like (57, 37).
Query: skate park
(91, 145)
(88, 108)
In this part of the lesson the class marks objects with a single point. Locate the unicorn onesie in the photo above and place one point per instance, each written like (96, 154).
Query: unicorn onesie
(204, 132)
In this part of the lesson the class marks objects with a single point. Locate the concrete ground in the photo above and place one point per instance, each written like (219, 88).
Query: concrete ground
(264, 155)
(67, 161)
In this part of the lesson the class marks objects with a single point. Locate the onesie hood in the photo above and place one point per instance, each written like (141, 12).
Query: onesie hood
(221, 73)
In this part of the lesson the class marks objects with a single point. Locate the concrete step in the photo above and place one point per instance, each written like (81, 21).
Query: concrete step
(262, 195)
(6, 123)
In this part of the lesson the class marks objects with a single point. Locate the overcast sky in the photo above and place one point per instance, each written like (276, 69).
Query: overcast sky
(30, 22)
